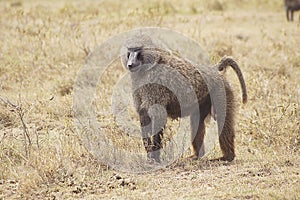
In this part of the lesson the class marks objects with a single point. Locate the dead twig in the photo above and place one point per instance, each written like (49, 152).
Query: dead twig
(18, 109)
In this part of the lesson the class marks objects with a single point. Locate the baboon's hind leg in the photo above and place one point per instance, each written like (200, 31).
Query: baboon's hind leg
(198, 132)
(226, 139)
(198, 129)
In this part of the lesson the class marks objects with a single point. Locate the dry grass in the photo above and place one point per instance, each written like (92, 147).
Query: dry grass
(43, 45)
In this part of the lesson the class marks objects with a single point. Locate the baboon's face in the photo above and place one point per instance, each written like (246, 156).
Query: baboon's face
(135, 59)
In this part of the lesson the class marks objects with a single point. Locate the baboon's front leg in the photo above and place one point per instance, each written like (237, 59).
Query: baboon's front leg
(145, 121)
(158, 117)
(198, 132)
(157, 146)
(152, 132)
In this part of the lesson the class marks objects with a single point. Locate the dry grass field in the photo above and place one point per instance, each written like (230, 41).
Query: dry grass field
(43, 44)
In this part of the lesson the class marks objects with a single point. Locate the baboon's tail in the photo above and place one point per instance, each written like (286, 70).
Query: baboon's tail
(228, 61)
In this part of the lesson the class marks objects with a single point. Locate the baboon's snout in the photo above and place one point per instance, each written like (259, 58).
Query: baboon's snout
(131, 66)
(133, 62)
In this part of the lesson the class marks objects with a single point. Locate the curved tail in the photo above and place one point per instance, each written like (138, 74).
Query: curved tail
(228, 61)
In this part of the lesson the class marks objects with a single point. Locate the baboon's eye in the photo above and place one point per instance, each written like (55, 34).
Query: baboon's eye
(128, 54)
(139, 56)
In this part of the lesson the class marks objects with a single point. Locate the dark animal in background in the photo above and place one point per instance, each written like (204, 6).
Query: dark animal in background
(290, 7)
(140, 61)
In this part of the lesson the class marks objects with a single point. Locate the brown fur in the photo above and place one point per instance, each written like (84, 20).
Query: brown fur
(203, 82)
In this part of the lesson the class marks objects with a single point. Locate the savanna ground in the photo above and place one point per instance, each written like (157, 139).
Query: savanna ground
(44, 44)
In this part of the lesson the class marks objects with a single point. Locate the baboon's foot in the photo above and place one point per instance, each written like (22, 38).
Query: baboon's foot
(193, 157)
(227, 158)
(153, 156)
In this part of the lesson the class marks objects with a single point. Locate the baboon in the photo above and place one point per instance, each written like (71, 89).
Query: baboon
(290, 7)
(141, 61)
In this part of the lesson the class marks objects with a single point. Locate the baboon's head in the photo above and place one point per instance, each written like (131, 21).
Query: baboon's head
(135, 58)
(139, 53)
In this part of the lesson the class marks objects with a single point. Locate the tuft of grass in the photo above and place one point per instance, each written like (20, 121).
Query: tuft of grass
(216, 5)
